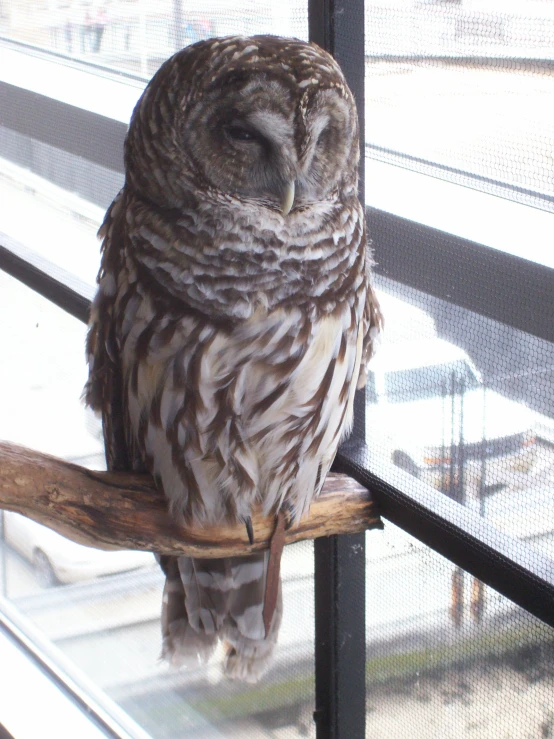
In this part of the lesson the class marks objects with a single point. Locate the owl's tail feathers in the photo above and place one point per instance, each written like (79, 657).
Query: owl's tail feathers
(182, 645)
(212, 600)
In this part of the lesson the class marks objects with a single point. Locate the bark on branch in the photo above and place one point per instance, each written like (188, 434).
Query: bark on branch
(119, 510)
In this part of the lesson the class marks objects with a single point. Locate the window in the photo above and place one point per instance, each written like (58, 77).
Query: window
(454, 434)
(460, 200)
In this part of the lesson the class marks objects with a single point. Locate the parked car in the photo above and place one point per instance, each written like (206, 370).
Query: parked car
(428, 411)
(59, 560)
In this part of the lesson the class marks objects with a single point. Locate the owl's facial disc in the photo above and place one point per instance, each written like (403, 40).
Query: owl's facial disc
(253, 154)
(270, 144)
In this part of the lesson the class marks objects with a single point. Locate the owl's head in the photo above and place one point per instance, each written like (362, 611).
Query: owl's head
(263, 121)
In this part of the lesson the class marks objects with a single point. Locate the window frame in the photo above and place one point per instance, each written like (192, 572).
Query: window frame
(72, 701)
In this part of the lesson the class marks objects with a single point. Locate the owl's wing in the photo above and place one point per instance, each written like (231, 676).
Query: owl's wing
(372, 325)
(104, 389)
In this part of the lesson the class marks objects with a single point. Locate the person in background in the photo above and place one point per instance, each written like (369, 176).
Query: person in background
(72, 25)
(99, 24)
(87, 32)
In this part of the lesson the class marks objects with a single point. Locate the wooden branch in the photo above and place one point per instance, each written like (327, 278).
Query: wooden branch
(119, 510)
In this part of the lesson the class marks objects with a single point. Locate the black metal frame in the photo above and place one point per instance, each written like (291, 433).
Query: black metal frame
(517, 571)
(53, 283)
(409, 253)
(339, 572)
(340, 636)
(489, 282)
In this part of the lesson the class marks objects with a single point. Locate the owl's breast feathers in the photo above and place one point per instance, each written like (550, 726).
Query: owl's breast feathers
(225, 418)
(228, 412)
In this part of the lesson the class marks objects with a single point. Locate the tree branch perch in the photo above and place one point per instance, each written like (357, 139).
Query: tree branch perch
(120, 510)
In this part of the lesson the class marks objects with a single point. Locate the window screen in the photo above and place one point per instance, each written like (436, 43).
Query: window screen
(462, 89)
(460, 401)
(447, 656)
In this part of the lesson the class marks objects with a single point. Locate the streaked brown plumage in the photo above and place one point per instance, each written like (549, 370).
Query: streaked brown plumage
(234, 314)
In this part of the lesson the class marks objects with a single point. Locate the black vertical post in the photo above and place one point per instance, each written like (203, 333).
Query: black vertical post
(340, 637)
(340, 560)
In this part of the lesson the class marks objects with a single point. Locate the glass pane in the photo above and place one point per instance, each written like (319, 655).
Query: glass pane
(136, 36)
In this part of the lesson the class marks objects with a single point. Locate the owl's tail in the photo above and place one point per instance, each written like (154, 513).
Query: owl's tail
(208, 600)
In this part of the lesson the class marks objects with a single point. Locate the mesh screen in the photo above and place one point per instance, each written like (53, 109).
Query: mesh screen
(465, 87)
(460, 91)
(464, 404)
(447, 656)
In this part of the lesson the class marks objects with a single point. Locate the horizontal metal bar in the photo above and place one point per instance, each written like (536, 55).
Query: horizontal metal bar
(492, 283)
(507, 62)
(52, 282)
(74, 130)
(402, 158)
(520, 572)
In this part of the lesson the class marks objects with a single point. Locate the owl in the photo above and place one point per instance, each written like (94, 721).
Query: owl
(234, 315)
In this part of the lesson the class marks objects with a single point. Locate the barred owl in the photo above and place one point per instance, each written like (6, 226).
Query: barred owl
(234, 315)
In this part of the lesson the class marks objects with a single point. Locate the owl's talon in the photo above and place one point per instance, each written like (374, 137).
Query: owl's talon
(288, 513)
(249, 529)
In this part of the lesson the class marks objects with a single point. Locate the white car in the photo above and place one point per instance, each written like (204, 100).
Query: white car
(59, 560)
(427, 404)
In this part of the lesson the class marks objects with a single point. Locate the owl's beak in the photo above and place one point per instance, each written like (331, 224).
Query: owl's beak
(288, 198)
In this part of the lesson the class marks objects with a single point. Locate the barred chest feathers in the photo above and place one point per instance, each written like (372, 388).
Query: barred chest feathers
(226, 418)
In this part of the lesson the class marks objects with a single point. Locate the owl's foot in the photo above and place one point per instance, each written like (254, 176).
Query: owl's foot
(250, 664)
(249, 529)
